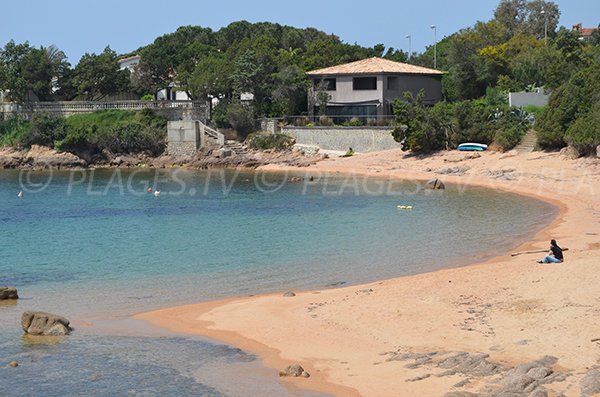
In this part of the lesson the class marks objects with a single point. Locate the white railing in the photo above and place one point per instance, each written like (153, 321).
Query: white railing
(91, 106)
(214, 134)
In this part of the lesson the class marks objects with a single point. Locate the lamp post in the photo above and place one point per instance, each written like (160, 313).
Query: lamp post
(543, 12)
(434, 46)
(409, 46)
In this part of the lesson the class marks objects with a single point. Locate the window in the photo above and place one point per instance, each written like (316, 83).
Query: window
(364, 83)
(328, 84)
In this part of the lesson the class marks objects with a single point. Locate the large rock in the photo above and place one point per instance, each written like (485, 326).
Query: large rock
(435, 184)
(598, 151)
(44, 157)
(8, 293)
(294, 370)
(570, 153)
(47, 324)
(590, 383)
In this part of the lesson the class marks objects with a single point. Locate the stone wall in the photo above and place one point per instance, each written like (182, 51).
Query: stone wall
(183, 138)
(360, 139)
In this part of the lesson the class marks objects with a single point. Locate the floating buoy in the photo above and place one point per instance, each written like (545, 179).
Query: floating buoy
(157, 193)
(20, 195)
(149, 190)
(404, 207)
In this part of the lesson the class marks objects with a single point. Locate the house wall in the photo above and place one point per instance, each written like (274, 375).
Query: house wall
(431, 85)
(344, 92)
(527, 98)
(360, 139)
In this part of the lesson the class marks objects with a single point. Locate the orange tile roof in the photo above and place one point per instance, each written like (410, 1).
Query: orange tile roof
(374, 66)
(587, 31)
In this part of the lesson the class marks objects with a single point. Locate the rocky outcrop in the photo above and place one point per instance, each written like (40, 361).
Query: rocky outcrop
(295, 371)
(38, 157)
(8, 293)
(435, 184)
(289, 294)
(46, 324)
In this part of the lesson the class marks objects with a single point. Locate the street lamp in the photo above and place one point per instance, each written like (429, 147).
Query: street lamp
(543, 12)
(434, 46)
(409, 46)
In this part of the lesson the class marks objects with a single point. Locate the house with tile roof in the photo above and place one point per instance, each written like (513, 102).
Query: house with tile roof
(367, 88)
(585, 34)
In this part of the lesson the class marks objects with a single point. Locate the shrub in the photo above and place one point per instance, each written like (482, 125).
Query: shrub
(354, 122)
(584, 134)
(241, 118)
(265, 140)
(509, 136)
(45, 130)
(147, 97)
(11, 131)
(325, 121)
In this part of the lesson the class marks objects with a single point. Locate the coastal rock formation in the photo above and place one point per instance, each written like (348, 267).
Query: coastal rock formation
(453, 170)
(295, 371)
(8, 293)
(435, 184)
(289, 294)
(47, 324)
(38, 157)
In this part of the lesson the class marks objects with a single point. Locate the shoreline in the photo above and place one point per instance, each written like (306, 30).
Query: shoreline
(218, 320)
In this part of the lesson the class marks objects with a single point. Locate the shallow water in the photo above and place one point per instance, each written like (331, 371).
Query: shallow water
(95, 244)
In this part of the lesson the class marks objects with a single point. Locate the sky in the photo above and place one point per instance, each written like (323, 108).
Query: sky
(80, 26)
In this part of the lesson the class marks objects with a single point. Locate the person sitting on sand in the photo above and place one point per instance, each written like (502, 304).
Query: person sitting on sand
(555, 255)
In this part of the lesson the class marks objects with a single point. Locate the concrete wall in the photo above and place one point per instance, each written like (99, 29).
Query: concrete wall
(183, 138)
(527, 98)
(360, 139)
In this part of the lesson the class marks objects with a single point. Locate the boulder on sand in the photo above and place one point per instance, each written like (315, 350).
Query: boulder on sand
(294, 370)
(46, 324)
(8, 293)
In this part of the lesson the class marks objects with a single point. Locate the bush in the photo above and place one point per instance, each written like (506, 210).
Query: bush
(45, 130)
(265, 140)
(11, 131)
(118, 131)
(241, 118)
(509, 136)
(572, 100)
(584, 134)
(325, 121)
(354, 122)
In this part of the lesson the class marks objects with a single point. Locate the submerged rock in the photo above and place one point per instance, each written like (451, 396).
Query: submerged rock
(46, 324)
(295, 371)
(435, 184)
(13, 364)
(8, 293)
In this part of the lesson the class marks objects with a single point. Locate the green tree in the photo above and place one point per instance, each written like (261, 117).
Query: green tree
(96, 76)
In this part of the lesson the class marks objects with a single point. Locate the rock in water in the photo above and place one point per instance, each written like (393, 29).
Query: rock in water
(294, 370)
(47, 324)
(435, 184)
(13, 364)
(289, 294)
(8, 293)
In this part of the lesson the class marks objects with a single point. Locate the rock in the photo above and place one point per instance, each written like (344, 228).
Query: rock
(13, 364)
(44, 157)
(461, 394)
(418, 378)
(289, 294)
(453, 170)
(295, 371)
(462, 383)
(589, 385)
(47, 324)
(598, 151)
(224, 152)
(570, 153)
(538, 373)
(435, 184)
(307, 150)
(8, 293)
(539, 392)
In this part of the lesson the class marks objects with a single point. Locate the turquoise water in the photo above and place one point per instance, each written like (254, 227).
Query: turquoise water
(95, 245)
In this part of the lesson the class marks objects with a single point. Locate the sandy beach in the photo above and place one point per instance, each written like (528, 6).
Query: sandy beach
(508, 325)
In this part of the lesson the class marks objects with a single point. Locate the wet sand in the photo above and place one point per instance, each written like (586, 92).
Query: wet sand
(394, 337)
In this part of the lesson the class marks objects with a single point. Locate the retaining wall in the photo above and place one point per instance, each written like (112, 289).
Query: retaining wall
(360, 139)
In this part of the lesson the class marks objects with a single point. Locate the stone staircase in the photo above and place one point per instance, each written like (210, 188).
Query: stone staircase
(235, 147)
(528, 143)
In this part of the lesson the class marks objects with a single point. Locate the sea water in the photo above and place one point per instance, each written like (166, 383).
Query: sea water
(97, 246)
